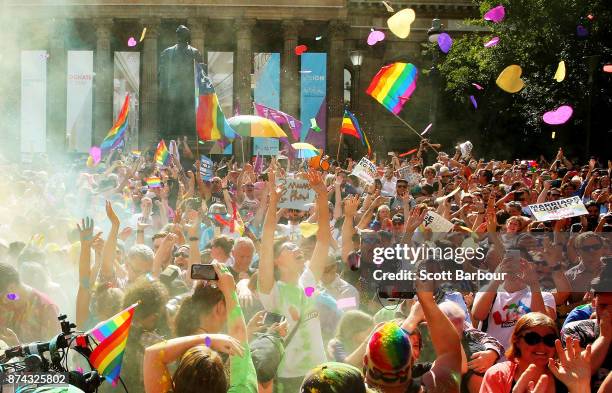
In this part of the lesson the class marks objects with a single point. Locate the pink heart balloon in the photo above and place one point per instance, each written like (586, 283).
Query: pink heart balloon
(375, 36)
(492, 42)
(96, 154)
(309, 291)
(495, 14)
(132, 42)
(558, 116)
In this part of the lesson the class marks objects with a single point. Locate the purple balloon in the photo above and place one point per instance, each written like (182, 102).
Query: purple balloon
(445, 42)
(558, 116)
(12, 296)
(375, 36)
(492, 42)
(582, 31)
(474, 102)
(207, 341)
(96, 154)
(495, 14)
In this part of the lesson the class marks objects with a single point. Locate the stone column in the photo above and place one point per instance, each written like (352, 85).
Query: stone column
(198, 35)
(335, 84)
(103, 80)
(149, 131)
(242, 78)
(56, 130)
(290, 76)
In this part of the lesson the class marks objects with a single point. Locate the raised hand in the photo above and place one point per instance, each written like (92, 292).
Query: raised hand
(415, 219)
(482, 360)
(226, 344)
(86, 229)
(351, 203)
(110, 213)
(573, 367)
(315, 178)
(526, 383)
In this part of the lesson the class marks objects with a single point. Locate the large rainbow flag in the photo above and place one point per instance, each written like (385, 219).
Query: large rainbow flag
(161, 153)
(111, 336)
(350, 126)
(116, 134)
(211, 124)
(393, 85)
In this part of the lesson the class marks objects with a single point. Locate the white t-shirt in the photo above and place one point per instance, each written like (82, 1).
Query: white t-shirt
(293, 232)
(388, 186)
(507, 309)
(306, 349)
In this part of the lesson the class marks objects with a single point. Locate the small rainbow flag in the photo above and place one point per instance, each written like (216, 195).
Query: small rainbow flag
(111, 336)
(116, 134)
(350, 126)
(161, 153)
(393, 85)
(211, 124)
(153, 182)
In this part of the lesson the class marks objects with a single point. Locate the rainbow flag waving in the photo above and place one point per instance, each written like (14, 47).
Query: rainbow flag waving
(153, 182)
(393, 85)
(211, 124)
(111, 336)
(350, 126)
(161, 153)
(116, 134)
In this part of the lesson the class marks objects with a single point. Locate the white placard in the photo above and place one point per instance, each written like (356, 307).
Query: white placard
(298, 194)
(407, 174)
(365, 170)
(79, 84)
(34, 101)
(437, 223)
(556, 210)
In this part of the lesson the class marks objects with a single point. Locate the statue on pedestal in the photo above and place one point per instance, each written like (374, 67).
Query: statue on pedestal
(177, 87)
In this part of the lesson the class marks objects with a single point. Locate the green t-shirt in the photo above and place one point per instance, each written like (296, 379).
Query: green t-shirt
(243, 377)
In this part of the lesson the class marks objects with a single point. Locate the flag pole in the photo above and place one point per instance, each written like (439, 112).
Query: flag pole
(196, 127)
(339, 144)
(415, 131)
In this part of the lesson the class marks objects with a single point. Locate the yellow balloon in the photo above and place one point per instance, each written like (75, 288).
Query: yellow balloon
(308, 229)
(400, 22)
(510, 79)
(90, 162)
(560, 74)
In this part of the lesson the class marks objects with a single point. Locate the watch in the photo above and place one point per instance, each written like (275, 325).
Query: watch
(194, 239)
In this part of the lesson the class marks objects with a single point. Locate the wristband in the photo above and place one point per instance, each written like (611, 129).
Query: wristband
(87, 238)
(140, 231)
(194, 239)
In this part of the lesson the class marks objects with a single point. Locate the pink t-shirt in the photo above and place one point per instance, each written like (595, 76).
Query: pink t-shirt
(498, 379)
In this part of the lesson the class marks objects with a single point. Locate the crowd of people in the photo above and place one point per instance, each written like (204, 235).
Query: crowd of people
(286, 301)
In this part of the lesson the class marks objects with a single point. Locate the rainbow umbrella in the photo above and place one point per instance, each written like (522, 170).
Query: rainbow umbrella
(256, 127)
(305, 150)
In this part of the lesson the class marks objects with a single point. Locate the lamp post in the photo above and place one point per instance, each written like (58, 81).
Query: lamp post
(356, 57)
(432, 36)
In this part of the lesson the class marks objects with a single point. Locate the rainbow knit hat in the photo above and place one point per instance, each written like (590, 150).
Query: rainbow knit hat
(389, 353)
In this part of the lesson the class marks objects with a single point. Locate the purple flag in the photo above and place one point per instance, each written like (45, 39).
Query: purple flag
(280, 118)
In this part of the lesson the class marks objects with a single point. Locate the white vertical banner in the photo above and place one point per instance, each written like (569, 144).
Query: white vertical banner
(79, 116)
(126, 80)
(33, 101)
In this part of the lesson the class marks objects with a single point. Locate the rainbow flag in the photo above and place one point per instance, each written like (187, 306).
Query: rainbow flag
(111, 336)
(116, 134)
(153, 182)
(161, 153)
(350, 126)
(393, 85)
(211, 124)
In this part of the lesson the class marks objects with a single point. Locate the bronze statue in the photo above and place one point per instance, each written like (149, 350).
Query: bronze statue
(177, 87)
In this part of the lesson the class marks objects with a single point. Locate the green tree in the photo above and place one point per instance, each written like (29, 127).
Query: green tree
(535, 34)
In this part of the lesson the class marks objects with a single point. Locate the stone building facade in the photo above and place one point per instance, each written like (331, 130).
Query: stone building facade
(242, 26)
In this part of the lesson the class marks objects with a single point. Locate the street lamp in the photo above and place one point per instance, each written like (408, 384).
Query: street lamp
(432, 36)
(356, 57)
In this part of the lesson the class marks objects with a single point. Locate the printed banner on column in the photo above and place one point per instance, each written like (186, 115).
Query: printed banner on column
(556, 210)
(267, 92)
(365, 170)
(127, 80)
(312, 98)
(34, 101)
(79, 98)
(221, 73)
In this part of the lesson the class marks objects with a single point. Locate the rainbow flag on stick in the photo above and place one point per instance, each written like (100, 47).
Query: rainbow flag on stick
(153, 182)
(116, 134)
(211, 124)
(161, 153)
(111, 336)
(350, 126)
(393, 85)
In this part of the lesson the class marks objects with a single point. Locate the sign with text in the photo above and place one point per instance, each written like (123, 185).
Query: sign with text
(407, 174)
(365, 170)
(298, 194)
(437, 223)
(556, 210)
(206, 168)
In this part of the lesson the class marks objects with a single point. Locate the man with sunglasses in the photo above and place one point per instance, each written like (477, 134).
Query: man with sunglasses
(590, 248)
(396, 203)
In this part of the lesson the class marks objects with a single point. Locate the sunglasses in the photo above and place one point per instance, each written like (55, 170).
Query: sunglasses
(533, 338)
(592, 247)
(181, 254)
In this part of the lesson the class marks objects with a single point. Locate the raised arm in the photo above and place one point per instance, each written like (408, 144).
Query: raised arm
(193, 231)
(84, 291)
(351, 204)
(321, 250)
(110, 246)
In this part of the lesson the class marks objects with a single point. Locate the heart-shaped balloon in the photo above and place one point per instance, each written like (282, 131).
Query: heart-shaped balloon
(400, 22)
(581, 31)
(132, 42)
(96, 154)
(607, 68)
(474, 102)
(300, 49)
(375, 36)
(495, 14)
(309, 291)
(558, 116)
(560, 73)
(510, 79)
(476, 85)
(492, 42)
(445, 42)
